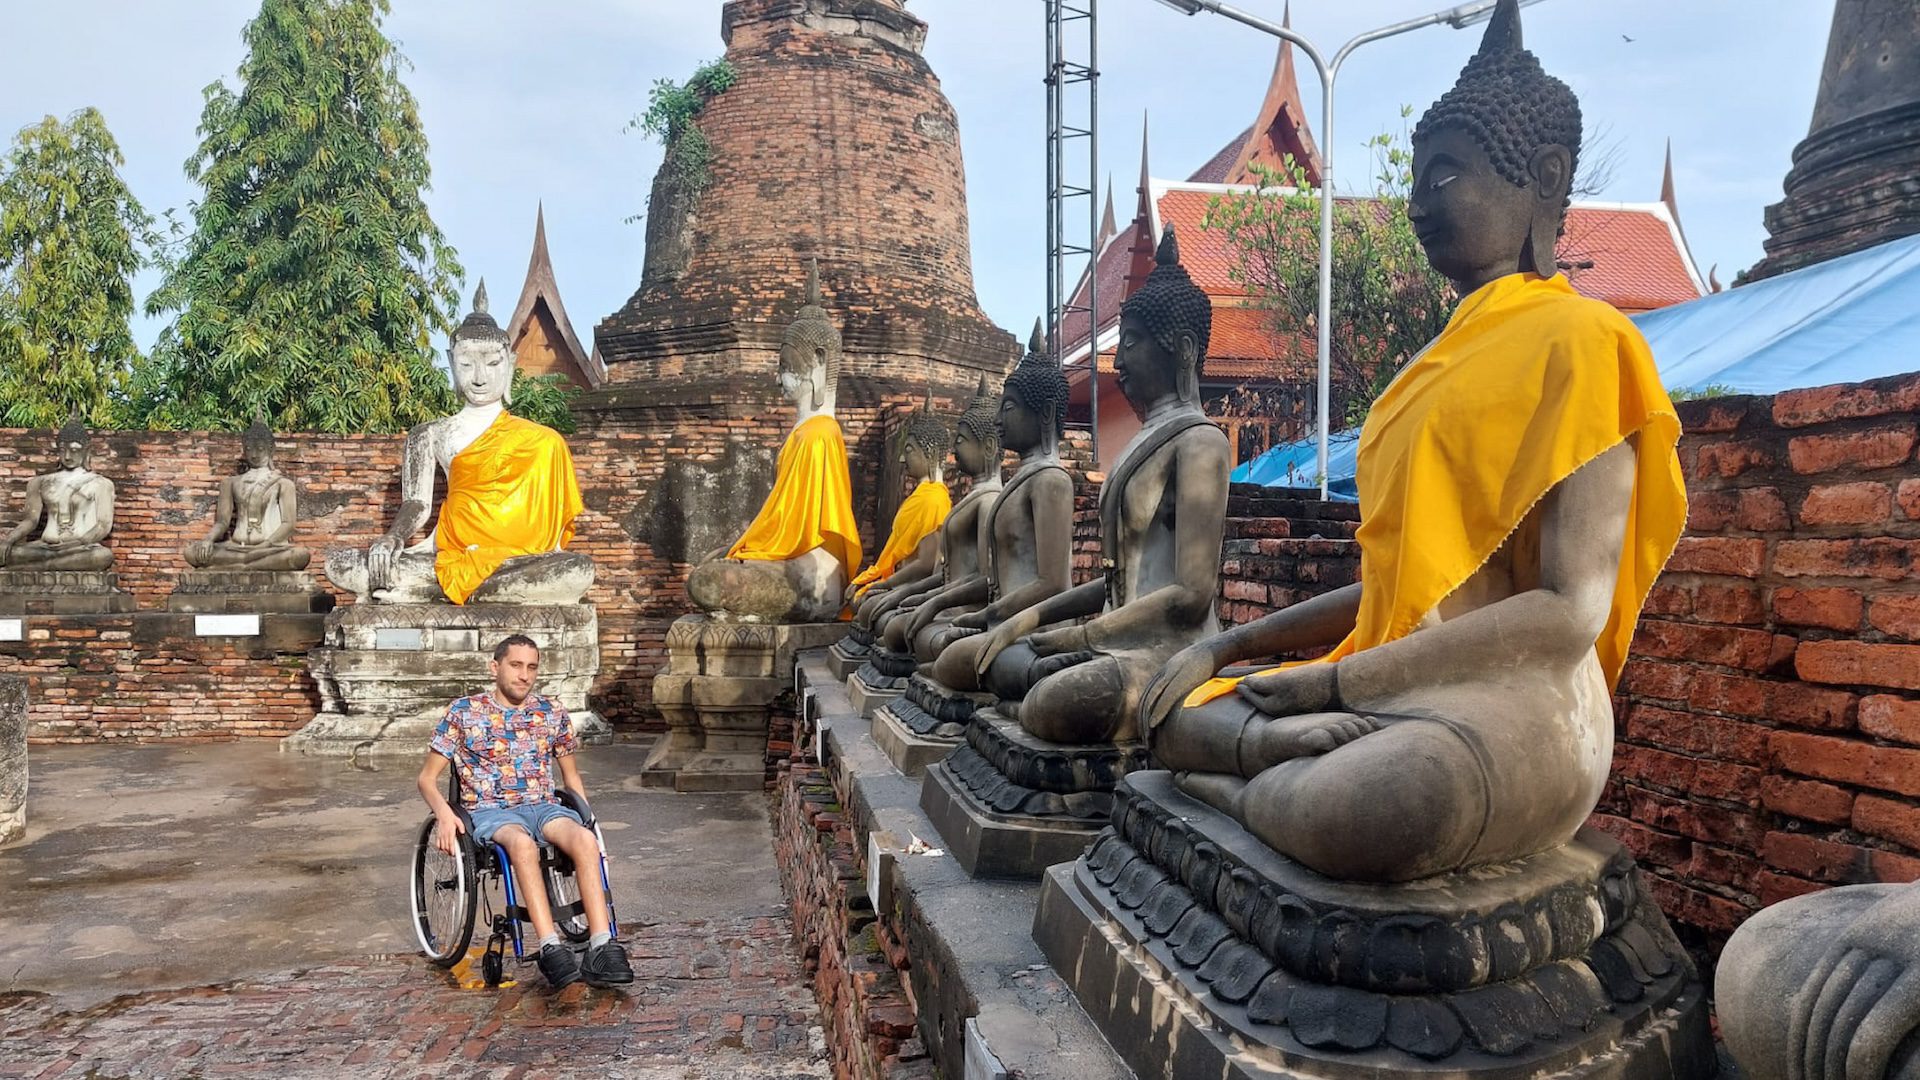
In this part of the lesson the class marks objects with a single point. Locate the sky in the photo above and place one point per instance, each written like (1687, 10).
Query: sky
(526, 102)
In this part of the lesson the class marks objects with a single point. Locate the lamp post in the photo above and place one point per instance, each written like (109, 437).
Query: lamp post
(1459, 17)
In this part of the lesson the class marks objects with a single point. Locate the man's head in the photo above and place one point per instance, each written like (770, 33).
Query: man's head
(481, 358)
(515, 665)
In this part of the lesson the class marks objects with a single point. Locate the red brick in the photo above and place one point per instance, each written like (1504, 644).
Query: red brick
(1772, 888)
(1730, 646)
(1697, 907)
(1710, 511)
(1849, 761)
(1250, 591)
(1668, 600)
(1732, 556)
(1821, 860)
(1887, 819)
(1820, 404)
(1677, 772)
(1893, 867)
(1712, 691)
(1847, 504)
(1806, 706)
(1809, 799)
(1696, 819)
(1874, 557)
(1831, 608)
(1896, 616)
(1710, 416)
(1893, 718)
(1649, 846)
(1761, 510)
(1879, 448)
(1648, 678)
(1729, 604)
(1727, 460)
(1723, 867)
(1859, 662)
(1909, 498)
(1718, 737)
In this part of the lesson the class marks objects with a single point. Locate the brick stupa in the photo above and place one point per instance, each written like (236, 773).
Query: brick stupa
(835, 143)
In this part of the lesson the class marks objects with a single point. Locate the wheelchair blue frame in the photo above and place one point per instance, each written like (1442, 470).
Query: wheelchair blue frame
(551, 859)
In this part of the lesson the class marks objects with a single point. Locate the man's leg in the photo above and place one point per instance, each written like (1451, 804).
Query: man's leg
(524, 854)
(584, 849)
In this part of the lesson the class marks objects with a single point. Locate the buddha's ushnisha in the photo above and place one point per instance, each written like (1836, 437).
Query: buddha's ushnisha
(1519, 492)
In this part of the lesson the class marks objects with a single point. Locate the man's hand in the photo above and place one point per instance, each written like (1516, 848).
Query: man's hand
(449, 827)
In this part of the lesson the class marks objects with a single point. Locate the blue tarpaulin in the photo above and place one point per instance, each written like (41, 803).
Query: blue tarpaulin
(1846, 320)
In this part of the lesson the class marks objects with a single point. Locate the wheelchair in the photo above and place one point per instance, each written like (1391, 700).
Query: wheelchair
(451, 892)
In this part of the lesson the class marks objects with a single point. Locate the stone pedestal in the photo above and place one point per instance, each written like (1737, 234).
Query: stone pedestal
(924, 724)
(387, 672)
(248, 591)
(62, 592)
(13, 758)
(722, 681)
(881, 679)
(1009, 805)
(846, 655)
(1199, 951)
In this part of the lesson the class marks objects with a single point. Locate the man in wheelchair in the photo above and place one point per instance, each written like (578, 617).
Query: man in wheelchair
(503, 745)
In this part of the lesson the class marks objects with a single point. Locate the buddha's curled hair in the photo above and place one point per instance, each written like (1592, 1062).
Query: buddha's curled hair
(981, 420)
(1508, 103)
(928, 432)
(812, 329)
(1039, 384)
(1169, 302)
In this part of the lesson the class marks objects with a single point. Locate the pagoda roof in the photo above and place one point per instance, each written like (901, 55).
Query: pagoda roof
(541, 288)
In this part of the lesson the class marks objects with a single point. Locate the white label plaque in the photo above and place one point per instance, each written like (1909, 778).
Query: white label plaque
(396, 638)
(13, 629)
(226, 625)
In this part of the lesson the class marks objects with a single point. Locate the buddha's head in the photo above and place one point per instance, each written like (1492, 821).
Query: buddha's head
(1033, 403)
(924, 449)
(976, 435)
(1164, 329)
(256, 443)
(481, 357)
(1493, 163)
(73, 443)
(810, 352)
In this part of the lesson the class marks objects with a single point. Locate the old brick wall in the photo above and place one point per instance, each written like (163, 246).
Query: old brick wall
(1769, 720)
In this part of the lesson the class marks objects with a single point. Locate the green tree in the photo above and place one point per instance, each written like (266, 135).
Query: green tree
(71, 237)
(314, 283)
(1388, 302)
(544, 399)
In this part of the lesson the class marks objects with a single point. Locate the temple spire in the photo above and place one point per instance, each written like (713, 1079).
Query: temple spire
(1108, 228)
(1280, 130)
(542, 337)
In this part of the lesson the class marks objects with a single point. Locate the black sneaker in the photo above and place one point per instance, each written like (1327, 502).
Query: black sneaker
(557, 963)
(607, 965)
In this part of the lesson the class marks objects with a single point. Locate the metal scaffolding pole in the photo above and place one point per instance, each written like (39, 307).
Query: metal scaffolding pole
(1073, 71)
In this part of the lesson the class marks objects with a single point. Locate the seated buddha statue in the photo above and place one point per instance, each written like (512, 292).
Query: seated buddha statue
(510, 504)
(793, 561)
(71, 506)
(255, 515)
(1519, 492)
(1029, 527)
(1162, 517)
(960, 585)
(908, 565)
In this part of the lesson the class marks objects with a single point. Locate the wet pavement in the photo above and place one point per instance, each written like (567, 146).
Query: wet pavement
(244, 912)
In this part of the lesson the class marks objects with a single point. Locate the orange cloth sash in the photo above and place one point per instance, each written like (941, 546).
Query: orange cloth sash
(919, 517)
(512, 492)
(811, 504)
(1528, 382)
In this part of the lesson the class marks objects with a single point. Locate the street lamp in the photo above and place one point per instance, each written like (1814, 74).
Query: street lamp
(1459, 17)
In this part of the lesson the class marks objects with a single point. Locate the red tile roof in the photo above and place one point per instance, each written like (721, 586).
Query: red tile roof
(1215, 170)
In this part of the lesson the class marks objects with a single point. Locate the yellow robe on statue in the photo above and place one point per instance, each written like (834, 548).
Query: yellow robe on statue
(919, 517)
(511, 492)
(1528, 382)
(811, 504)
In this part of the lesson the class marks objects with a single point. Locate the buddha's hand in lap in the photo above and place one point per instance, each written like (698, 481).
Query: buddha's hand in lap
(380, 562)
(1179, 677)
(1001, 637)
(1292, 691)
(972, 620)
(1064, 640)
(1853, 1013)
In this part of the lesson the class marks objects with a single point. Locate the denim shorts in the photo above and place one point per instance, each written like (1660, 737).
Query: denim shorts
(532, 817)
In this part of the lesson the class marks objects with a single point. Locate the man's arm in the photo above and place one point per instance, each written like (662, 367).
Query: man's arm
(570, 775)
(429, 785)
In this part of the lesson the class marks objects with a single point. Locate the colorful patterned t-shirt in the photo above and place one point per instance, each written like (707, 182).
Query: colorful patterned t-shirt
(504, 755)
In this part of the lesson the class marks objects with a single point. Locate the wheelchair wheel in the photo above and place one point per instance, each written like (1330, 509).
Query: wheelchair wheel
(562, 890)
(444, 897)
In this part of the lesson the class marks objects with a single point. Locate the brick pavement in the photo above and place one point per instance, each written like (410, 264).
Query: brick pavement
(720, 999)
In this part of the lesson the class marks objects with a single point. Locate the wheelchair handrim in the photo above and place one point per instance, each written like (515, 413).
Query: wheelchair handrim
(452, 901)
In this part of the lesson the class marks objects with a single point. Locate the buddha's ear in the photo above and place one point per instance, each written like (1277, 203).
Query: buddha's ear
(1551, 172)
(1187, 368)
